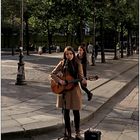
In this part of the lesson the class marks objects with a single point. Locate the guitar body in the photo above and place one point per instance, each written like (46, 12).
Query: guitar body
(58, 88)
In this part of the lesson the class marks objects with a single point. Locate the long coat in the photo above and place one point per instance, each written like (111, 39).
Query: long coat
(71, 99)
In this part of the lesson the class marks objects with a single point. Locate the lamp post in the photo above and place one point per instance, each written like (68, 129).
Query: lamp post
(21, 75)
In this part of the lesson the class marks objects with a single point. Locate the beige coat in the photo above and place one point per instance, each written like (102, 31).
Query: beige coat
(72, 97)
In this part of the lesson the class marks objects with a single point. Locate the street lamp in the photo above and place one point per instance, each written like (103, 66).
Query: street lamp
(21, 75)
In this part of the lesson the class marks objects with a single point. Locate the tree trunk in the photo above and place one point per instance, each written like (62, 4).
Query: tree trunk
(128, 44)
(71, 40)
(12, 33)
(93, 36)
(8, 39)
(27, 36)
(131, 45)
(4, 40)
(121, 41)
(81, 30)
(67, 35)
(115, 43)
(80, 35)
(137, 45)
(102, 45)
(49, 41)
(94, 25)
(49, 38)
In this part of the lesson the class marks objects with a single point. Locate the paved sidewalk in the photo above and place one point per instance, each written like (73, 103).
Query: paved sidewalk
(119, 120)
(123, 121)
(31, 108)
(124, 118)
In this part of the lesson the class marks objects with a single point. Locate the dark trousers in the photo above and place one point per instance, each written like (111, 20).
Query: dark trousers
(85, 89)
(76, 114)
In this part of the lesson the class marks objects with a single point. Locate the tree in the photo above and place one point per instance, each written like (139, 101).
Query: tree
(9, 20)
(70, 18)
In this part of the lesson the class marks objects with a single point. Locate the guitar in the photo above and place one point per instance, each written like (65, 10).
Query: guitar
(57, 88)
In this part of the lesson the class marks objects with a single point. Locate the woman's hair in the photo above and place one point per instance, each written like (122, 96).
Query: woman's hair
(68, 48)
(84, 49)
(73, 64)
(84, 58)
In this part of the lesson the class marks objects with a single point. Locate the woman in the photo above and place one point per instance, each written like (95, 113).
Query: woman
(70, 99)
(82, 56)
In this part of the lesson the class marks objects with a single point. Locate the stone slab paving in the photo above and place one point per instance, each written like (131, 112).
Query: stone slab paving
(120, 124)
(112, 125)
(33, 106)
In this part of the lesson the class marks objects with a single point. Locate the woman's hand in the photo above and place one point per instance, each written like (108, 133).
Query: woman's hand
(62, 82)
(84, 81)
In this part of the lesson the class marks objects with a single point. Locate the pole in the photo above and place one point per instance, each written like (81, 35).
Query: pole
(21, 75)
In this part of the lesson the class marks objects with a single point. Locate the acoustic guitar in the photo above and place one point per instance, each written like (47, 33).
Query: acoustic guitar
(57, 88)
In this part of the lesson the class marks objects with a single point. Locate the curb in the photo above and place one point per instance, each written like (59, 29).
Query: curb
(128, 87)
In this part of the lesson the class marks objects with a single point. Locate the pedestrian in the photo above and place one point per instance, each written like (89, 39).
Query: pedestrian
(90, 47)
(70, 99)
(82, 56)
(91, 54)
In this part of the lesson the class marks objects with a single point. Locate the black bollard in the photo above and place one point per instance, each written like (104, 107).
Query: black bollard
(21, 74)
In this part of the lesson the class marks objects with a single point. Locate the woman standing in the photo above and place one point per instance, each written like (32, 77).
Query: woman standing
(82, 56)
(70, 99)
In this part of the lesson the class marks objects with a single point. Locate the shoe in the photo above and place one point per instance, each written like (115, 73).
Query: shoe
(78, 136)
(69, 137)
(90, 96)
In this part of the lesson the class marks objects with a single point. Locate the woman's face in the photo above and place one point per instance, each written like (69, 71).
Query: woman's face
(80, 51)
(69, 55)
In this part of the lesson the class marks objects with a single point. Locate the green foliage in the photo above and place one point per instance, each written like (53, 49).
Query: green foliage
(66, 16)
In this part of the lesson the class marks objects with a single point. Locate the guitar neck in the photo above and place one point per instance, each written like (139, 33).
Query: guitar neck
(74, 81)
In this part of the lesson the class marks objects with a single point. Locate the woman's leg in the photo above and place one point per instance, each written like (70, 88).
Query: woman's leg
(76, 119)
(67, 121)
(89, 94)
(77, 123)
